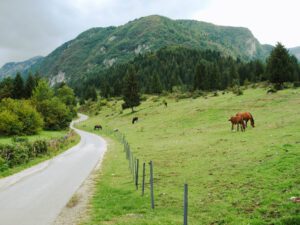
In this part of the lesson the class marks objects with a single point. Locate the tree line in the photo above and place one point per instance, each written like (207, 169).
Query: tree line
(28, 106)
(176, 67)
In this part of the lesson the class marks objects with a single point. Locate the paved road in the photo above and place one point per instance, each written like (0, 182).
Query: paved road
(37, 195)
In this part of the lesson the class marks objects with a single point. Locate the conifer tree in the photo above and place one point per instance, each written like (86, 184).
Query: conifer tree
(18, 87)
(279, 65)
(30, 84)
(131, 95)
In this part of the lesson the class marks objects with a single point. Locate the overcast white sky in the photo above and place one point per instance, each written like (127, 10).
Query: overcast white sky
(36, 27)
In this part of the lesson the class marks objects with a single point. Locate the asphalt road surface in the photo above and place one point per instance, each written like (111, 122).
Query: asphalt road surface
(36, 195)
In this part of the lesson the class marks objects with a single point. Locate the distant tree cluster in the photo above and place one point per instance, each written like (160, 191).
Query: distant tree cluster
(189, 69)
(18, 88)
(28, 106)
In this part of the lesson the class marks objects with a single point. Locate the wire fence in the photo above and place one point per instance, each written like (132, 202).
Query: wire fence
(134, 168)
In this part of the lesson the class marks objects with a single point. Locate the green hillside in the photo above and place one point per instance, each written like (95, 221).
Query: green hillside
(234, 178)
(100, 48)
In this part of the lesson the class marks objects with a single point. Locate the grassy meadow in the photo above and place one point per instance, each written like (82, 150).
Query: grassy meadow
(233, 177)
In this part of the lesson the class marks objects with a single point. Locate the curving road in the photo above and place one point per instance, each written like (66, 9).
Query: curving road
(37, 195)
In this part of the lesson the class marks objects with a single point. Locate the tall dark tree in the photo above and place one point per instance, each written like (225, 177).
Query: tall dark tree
(30, 84)
(131, 94)
(18, 87)
(6, 88)
(279, 66)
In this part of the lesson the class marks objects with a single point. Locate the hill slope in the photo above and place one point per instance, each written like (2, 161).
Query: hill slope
(99, 48)
(233, 177)
(11, 68)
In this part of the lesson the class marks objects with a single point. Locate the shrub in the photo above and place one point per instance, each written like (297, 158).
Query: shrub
(237, 90)
(56, 114)
(297, 84)
(9, 123)
(19, 117)
(21, 153)
(3, 165)
(19, 139)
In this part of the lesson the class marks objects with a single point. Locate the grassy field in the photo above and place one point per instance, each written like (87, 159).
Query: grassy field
(233, 177)
(44, 135)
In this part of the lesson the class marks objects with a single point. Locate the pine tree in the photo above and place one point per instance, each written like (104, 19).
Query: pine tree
(18, 87)
(6, 88)
(279, 65)
(30, 84)
(131, 95)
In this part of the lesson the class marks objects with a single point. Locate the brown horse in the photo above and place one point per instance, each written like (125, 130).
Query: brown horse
(238, 120)
(246, 116)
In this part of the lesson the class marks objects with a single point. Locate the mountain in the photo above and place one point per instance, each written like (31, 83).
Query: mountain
(99, 48)
(11, 68)
(296, 52)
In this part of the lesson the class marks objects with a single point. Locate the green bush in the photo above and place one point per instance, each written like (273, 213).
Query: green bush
(56, 114)
(9, 123)
(3, 165)
(237, 90)
(19, 117)
(21, 153)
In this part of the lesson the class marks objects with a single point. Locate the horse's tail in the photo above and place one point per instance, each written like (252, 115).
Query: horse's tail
(252, 120)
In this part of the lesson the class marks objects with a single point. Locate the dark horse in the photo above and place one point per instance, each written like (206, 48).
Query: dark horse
(238, 120)
(246, 117)
(135, 119)
(97, 127)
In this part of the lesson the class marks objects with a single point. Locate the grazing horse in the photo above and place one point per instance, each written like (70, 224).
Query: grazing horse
(97, 127)
(165, 103)
(135, 119)
(238, 120)
(246, 116)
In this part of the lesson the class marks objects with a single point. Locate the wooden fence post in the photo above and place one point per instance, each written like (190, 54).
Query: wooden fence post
(185, 205)
(137, 174)
(143, 182)
(151, 184)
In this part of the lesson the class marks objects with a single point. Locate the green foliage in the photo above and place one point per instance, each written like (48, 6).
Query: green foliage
(42, 92)
(30, 85)
(6, 88)
(56, 114)
(9, 123)
(90, 93)
(18, 87)
(19, 117)
(177, 67)
(282, 67)
(20, 153)
(131, 94)
(67, 96)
